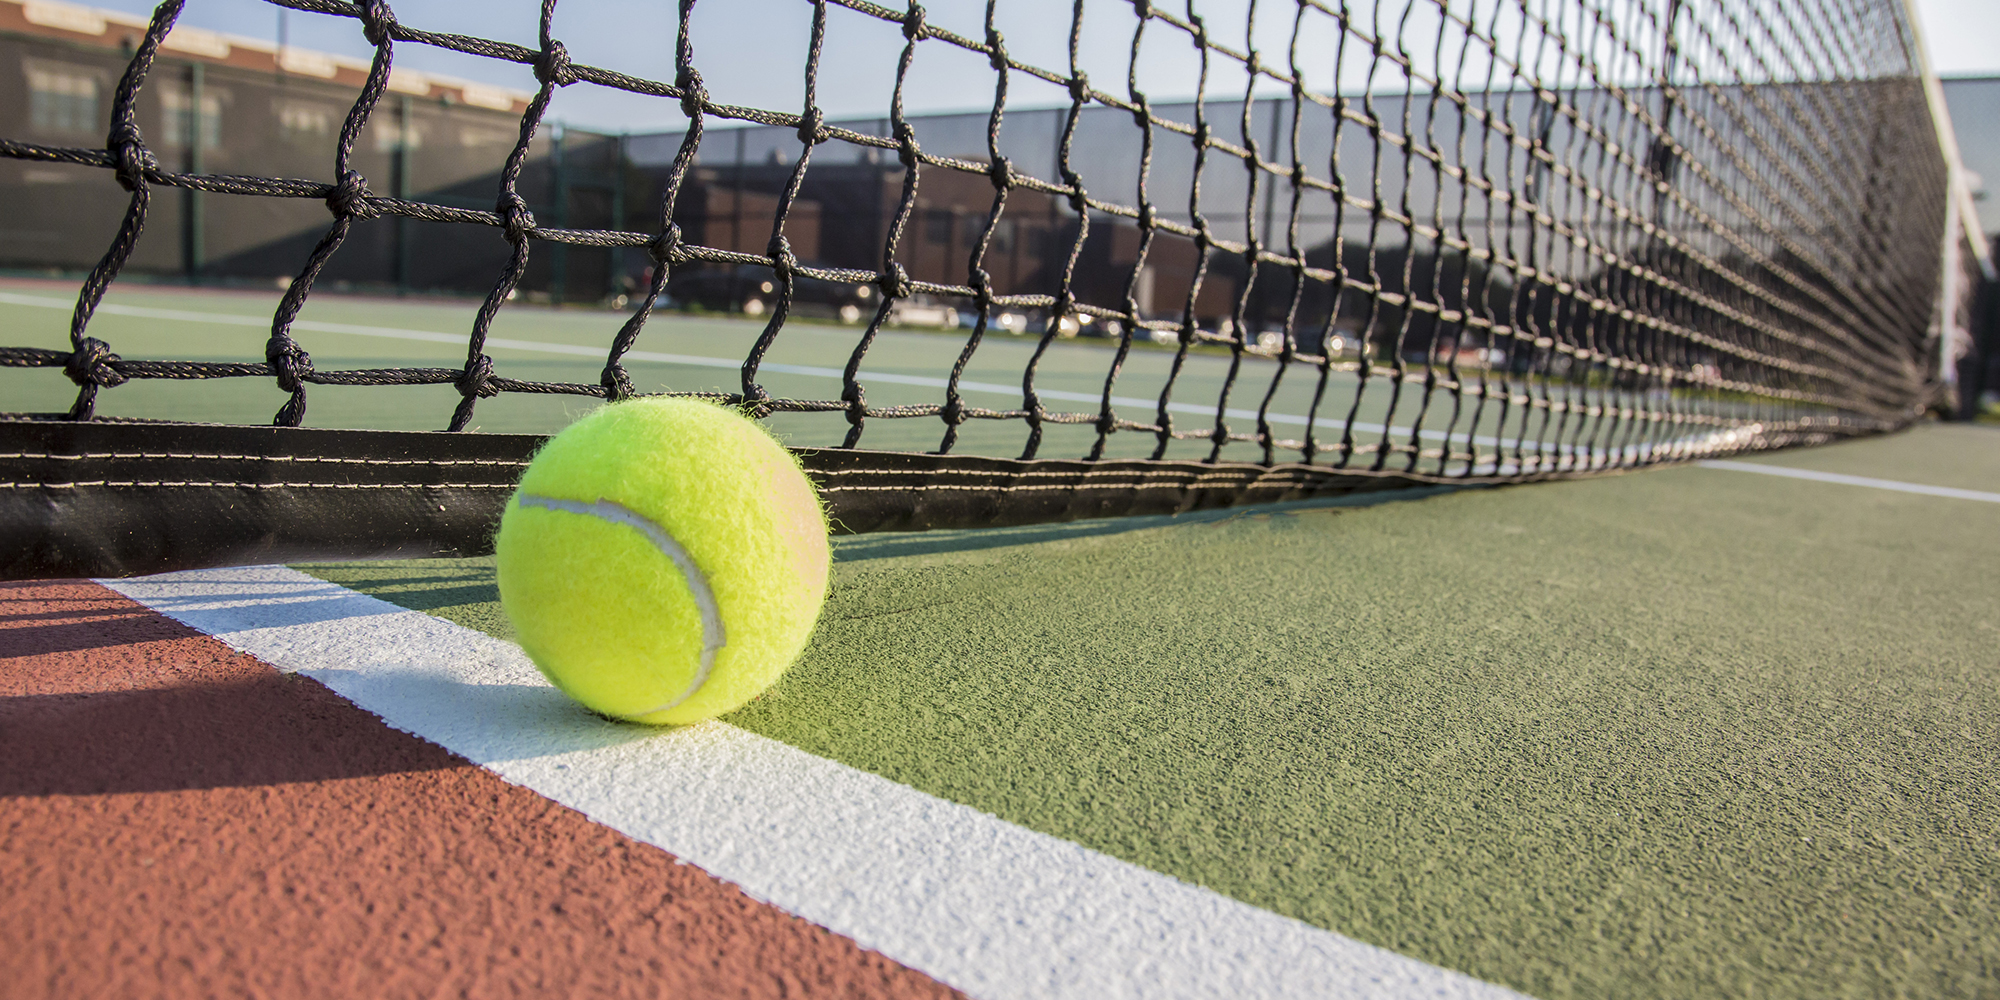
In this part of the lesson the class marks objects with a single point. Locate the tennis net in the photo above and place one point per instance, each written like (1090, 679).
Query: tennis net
(1413, 241)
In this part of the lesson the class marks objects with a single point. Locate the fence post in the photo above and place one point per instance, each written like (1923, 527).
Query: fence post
(615, 278)
(405, 190)
(193, 237)
(559, 181)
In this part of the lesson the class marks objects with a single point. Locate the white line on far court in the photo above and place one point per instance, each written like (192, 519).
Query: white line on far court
(690, 360)
(992, 908)
(1835, 477)
(812, 371)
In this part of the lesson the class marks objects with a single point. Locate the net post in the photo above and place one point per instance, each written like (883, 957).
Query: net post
(1735, 319)
(1955, 315)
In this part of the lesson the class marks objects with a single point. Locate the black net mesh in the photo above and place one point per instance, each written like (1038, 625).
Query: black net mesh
(1500, 237)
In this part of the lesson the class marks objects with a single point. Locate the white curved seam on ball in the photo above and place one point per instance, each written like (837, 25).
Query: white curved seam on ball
(712, 636)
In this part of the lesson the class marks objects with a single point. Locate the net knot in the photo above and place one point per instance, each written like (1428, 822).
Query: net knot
(349, 198)
(780, 252)
(378, 23)
(895, 282)
(1079, 87)
(914, 27)
(553, 65)
(134, 159)
(907, 149)
(91, 364)
(477, 380)
(996, 45)
(661, 247)
(1001, 172)
(1142, 8)
(617, 383)
(514, 216)
(289, 362)
(693, 94)
(812, 127)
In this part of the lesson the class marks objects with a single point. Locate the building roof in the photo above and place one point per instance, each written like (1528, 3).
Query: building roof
(115, 29)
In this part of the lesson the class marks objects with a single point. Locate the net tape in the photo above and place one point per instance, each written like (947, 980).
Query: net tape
(1759, 206)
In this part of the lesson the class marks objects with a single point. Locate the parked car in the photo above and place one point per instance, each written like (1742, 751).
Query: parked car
(921, 310)
(752, 290)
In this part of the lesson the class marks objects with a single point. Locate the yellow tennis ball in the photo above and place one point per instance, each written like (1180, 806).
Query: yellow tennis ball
(663, 560)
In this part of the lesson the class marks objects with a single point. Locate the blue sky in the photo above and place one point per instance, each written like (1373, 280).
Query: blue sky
(751, 51)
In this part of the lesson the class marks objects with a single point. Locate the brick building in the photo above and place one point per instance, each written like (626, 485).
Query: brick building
(223, 104)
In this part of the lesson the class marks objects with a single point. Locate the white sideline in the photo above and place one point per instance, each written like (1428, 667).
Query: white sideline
(1845, 480)
(989, 907)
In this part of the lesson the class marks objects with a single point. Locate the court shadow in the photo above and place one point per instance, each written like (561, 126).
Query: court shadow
(487, 722)
(889, 545)
(366, 575)
(75, 631)
(271, 729)
(402, 595)
(78, 637)
(98, 614)
(219, 602)
(429, 589)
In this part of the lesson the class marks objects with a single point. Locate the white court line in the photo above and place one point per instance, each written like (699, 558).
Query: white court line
(1835, 477)
(994, 909)
(544, 347)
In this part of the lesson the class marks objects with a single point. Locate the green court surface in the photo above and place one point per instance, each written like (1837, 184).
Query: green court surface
(568, 345)
(1689, 732)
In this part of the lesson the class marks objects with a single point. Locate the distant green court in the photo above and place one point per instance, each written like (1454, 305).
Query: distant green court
(691, 353)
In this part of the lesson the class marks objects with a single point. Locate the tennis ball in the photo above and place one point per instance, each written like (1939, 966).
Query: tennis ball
(663, 560)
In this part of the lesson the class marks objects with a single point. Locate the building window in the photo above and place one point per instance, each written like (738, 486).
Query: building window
(394, 133)
(474, 137)
(181, 124)
(303, 121)
(63, 100)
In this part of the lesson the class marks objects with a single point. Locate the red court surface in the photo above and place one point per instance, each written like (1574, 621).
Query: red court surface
(180, 820)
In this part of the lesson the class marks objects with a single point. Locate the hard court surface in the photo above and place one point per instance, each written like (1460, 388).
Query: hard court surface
(1690, 732)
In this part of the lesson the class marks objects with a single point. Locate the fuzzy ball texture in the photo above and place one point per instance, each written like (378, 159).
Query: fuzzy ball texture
(604, 604)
